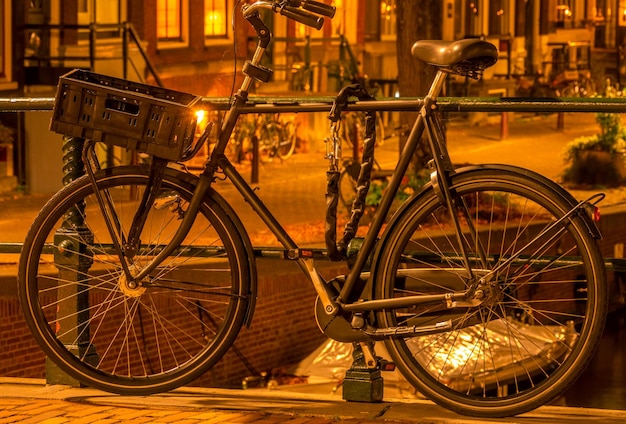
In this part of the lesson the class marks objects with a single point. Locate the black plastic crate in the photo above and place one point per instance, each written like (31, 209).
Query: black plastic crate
(124, 113)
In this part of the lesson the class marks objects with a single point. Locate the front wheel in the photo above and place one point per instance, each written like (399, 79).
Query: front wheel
(129, 338)
(536, 311)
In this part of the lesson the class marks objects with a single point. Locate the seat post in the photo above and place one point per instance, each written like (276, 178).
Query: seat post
(437, 85)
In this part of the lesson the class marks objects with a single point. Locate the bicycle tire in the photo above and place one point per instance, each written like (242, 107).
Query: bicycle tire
(542, 314)
(347, 184)
(287, 140)
(143, 340)
(269, 138)
(237, 147)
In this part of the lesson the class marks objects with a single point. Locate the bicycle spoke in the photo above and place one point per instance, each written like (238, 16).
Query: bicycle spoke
(534, 287)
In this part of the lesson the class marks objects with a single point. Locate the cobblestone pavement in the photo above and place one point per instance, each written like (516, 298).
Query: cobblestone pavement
(31, 401)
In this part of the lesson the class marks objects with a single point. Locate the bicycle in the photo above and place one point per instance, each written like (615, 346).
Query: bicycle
(487, 287)
(351, 166)
(275, 135)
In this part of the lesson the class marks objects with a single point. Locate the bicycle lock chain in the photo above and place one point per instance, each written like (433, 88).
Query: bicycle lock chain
(337, 250)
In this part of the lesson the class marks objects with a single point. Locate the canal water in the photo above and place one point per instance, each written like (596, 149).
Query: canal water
(603, 384)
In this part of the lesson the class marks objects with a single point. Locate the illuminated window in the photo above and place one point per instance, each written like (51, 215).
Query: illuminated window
(6, 52)
(473, 18)
(215, 18)
(387, 18)
(564, 15)
(169, 20)
(380, 20)
(102, 12)
(499, 17)
(2, 39)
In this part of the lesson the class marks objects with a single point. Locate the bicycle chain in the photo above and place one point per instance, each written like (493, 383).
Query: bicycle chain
(337, 250)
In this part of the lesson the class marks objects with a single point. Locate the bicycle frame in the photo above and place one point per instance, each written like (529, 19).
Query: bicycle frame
(333, 303)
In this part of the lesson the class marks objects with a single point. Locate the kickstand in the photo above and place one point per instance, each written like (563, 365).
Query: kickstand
(363, 382)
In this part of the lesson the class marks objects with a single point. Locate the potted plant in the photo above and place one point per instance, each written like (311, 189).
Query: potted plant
(598, 160)
(6, 148)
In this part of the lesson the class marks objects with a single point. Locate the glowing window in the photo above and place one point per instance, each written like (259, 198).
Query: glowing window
(169, 19)
(387, 18)
(215, 18)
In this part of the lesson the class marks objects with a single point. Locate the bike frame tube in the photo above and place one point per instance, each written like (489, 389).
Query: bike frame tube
(293, 252)
(218, 160)
(385, 204)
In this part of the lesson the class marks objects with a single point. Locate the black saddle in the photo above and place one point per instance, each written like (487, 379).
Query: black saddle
(464, 57)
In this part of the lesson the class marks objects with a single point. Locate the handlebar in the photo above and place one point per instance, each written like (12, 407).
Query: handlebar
(302, 16)
(307, 12)
(319, 8)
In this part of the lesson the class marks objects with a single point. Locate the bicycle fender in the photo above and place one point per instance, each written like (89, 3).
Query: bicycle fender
(217, 198)
(547, 182)
(467, 171)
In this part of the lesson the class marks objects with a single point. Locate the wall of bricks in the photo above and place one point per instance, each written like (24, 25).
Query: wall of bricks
(282, 333)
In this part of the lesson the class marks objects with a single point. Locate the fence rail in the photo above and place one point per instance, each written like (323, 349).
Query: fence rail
(322, 104)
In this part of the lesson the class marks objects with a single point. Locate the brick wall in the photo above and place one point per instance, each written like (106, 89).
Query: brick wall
(20, 355)
(283, 332)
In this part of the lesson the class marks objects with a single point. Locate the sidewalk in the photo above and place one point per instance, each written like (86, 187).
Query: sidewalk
(31, 401)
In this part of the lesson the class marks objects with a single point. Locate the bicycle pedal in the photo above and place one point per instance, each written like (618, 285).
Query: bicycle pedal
(386, 365)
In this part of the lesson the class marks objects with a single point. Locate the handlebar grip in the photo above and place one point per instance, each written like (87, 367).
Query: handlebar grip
(303, 17)
(319, 8)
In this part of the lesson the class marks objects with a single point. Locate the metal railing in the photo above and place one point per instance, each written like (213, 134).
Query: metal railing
(323, 104)
(268, 104)
(127, 36)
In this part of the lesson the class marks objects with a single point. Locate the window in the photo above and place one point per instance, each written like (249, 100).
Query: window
(499, 17)
(387, 19)
(604, 25)
(108, 13)
(372, 21)
(5, 46)
(564, 14)
(169, 20)
(572, 13)
(380, 20)
(215, 19)
(3, 37)
(472, 18)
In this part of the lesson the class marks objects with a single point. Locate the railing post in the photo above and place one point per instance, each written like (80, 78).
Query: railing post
(73, 260)
(254, 172)
(560, 121)
(504, 126)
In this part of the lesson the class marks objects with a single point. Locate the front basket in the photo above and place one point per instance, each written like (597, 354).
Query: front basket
(123, 113)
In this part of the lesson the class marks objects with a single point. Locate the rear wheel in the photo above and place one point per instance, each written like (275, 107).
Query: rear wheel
(538, 307)
(110, 333)
(287, 140)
